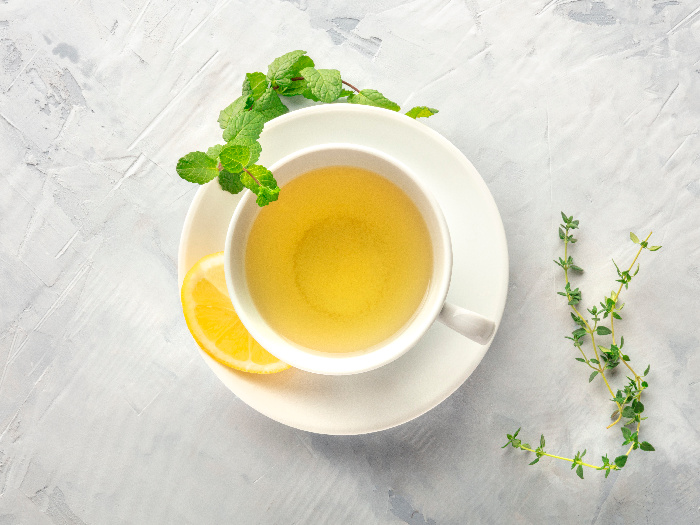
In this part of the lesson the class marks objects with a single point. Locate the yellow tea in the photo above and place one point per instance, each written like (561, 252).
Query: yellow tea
(341, 262)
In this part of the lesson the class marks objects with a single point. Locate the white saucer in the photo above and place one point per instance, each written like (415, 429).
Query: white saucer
(442, 360)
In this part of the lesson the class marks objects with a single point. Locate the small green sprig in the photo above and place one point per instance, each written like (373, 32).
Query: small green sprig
(627, 399)
(242, 122)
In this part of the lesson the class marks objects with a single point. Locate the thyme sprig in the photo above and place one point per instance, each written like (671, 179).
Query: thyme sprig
(628, 402)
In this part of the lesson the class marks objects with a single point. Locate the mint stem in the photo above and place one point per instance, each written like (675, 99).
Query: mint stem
(350, 85)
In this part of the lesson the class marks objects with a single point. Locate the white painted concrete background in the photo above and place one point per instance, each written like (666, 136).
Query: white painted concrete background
(107, 414)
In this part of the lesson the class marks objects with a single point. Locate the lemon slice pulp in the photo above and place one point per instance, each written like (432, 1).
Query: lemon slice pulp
(214, 324)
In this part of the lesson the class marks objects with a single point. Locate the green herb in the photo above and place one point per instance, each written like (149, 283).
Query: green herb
(628, 399)
(243, 120)
(421, 111)
(325, 84)
(197, 167)
(372, 97)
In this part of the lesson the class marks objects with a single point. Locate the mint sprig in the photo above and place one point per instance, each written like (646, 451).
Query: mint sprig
(242, 122)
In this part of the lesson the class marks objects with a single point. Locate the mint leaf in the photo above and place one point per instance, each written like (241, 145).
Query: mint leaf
(238, 105)
(324, 84)
(257, 176)
(214, 151)
(266, 196)
(230, 182)
(260, 181)
(234, 157)
(197, 167)
(290, 88)
(422, 111)
(255, 150)
(244, 127)
(303, 62)
(269, 105)
(283, 67)
(253, 145)
(372, 97)
(345, 93)
(254, 85)
(308, 94)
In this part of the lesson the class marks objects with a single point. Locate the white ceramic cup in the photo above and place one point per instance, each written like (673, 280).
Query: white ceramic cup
(470, 324)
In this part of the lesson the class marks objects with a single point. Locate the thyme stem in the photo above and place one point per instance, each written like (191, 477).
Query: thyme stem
(570, 460)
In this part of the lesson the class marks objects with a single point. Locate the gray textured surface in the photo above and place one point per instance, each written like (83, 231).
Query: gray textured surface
(107, 415)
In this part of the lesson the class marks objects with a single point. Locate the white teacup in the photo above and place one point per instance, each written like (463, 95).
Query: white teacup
(468, 323)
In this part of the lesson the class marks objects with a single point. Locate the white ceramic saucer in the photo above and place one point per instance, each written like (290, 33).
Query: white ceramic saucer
(443, 359)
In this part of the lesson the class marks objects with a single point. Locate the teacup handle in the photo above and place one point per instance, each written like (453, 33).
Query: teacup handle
(470, 324)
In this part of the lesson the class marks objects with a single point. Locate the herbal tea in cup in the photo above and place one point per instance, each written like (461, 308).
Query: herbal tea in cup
(341, 263)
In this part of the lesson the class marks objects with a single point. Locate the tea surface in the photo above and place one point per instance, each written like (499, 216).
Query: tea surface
(341, 262)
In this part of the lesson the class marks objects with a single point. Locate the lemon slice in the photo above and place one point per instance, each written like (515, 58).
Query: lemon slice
(214, 324)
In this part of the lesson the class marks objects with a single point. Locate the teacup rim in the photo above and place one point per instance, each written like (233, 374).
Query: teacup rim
(353, 362)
